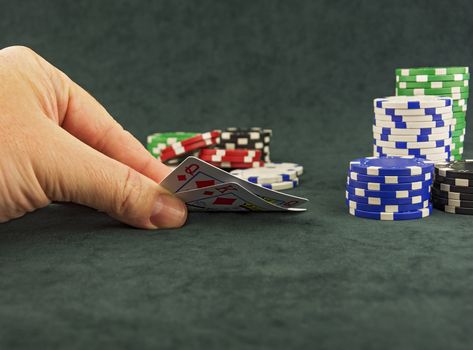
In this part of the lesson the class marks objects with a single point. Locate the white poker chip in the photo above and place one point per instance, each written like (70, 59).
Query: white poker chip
(270, 173)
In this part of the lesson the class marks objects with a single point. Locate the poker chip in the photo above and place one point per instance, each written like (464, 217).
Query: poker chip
(408, 215)
(232, 159)
(389, 151)
(431, 85)
(452, 202)
(412, 131)
(374, 186)
(387, 208)
(387, 194)
(392, 166)
(408, 102)
(459, 169)
(412, 112)
(431, 71)
(270, 173)
(389, 179)
(436, 92)
(414, 125)
(414, 118)
(451, 188)
(415, 145)
(454, 181)
(231, 153)
(451, 209)
(283, 185)
(237, 165)
(432, 77)
(451, 195)
(179, 149)
(413, 138)
(387, 201)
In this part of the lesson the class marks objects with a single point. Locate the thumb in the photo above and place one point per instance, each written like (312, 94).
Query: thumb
(95, 180)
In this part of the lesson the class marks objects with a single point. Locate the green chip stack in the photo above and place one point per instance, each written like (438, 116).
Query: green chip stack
(450, 82)
(158, 141)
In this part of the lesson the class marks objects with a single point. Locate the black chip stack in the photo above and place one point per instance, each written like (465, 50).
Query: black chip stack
(254, 138)
(452, 190)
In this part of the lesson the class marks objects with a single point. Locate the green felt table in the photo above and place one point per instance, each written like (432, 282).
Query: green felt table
(71, 277)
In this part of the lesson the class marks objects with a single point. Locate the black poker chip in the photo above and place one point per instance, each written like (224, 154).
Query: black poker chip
(452, 202)
(452, 188)
(451, 209)
(451, 195)
(460, 169)
(454, 181)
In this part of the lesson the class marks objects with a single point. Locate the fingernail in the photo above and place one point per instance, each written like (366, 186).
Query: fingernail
(169, 212)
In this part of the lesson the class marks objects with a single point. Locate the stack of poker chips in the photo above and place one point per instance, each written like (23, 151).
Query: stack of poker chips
(177, 151)
(452, 190)
(449, 82)
(275, 176)
(389, 188)
(419, 126)
(254, 138)
(234, 148)
(158, 141)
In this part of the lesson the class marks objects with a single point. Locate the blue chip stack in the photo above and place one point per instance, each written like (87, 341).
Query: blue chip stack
(419, 126)
(389, 188)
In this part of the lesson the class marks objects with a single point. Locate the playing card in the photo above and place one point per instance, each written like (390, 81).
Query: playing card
(194, 173)
(228, 196)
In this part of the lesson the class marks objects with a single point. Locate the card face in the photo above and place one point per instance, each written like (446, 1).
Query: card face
(228, 196)
(194, 173)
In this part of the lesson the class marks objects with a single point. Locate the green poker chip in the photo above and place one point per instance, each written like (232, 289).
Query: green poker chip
(431, 85)
(434, 91)
(415, 92)
(432, 71)
(427, 78)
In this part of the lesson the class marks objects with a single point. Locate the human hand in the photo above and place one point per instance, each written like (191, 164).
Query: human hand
(59, 144)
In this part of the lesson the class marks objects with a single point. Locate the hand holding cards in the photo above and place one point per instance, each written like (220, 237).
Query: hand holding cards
(204, 187)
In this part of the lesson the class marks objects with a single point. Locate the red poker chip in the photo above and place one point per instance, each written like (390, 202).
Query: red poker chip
(231, 152)
(237, 165)
(231, 159)
(200, 137)
(173, 151)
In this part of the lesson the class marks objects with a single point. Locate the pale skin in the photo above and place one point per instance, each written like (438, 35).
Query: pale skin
(58, 143)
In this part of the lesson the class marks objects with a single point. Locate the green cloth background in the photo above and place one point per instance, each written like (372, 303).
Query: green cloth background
(73, 278)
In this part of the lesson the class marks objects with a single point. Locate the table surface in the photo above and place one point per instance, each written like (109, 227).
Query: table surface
(71, 277)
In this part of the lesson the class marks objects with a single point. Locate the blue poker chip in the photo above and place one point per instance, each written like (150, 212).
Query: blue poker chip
(413, 145)
(412, 102)
(411, 125)
(373, 186)
(413, 118)
(387, 201)
(407, 215)
(392, 166)
(411, 151)
(413, 138)
(388, 194)
(387, 208)
(411, 131)
(420, 111)
(389, 179)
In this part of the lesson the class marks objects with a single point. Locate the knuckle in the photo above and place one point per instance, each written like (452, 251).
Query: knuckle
(129, 193)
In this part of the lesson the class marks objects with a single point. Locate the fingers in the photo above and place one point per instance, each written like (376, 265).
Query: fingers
(80, 174)
(88, 120)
